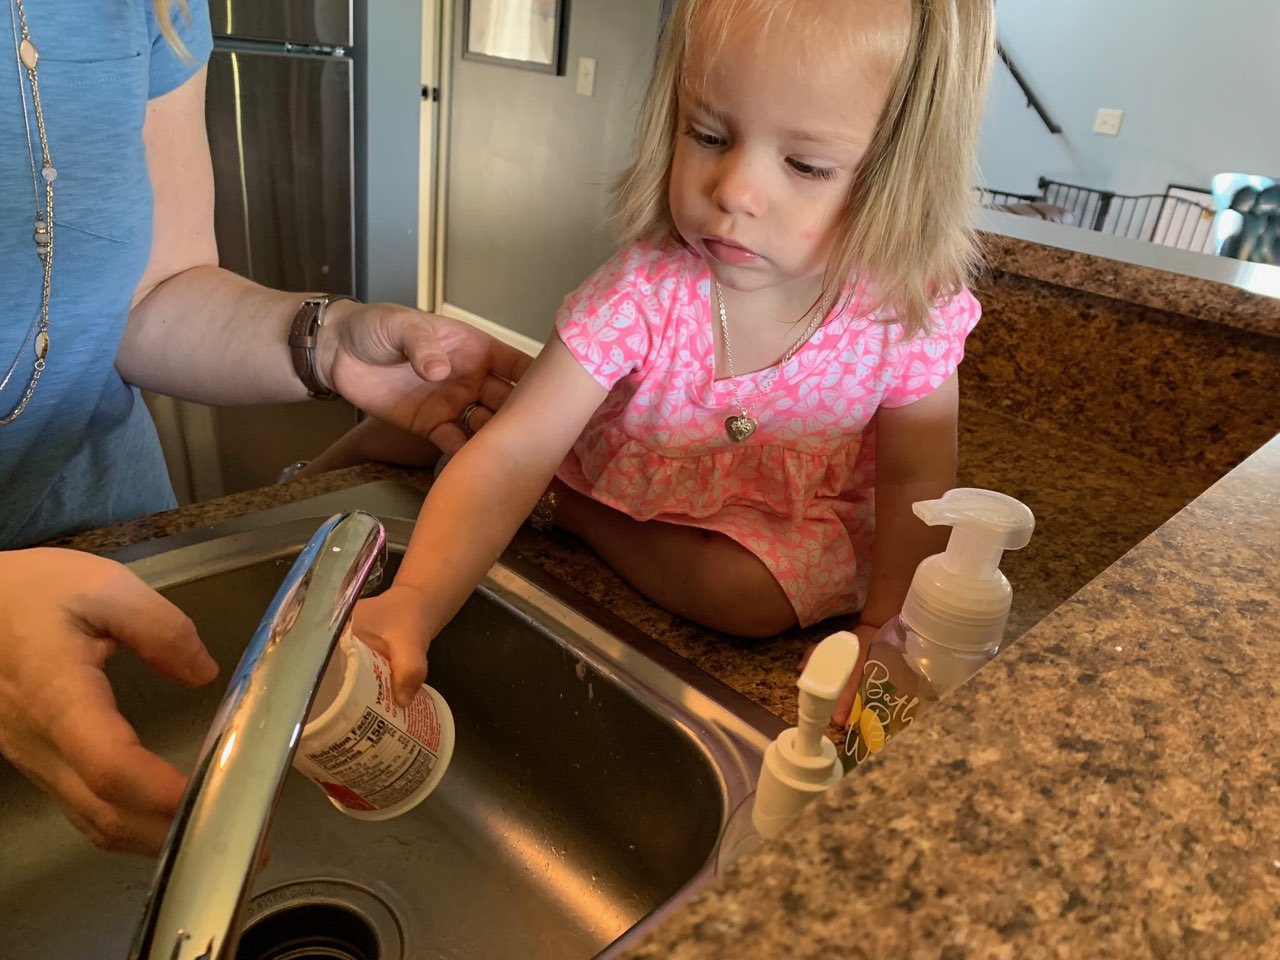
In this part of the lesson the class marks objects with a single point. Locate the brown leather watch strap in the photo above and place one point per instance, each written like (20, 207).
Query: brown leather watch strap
(302, 343)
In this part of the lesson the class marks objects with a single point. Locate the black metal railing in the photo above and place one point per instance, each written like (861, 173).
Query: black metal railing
(1002, 198)
(1163, 218)
(1032, 100)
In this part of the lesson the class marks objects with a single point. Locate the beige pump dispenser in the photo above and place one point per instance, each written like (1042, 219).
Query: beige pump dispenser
(801, 763)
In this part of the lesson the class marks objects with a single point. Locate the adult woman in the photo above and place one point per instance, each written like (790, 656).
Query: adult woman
(117, 289)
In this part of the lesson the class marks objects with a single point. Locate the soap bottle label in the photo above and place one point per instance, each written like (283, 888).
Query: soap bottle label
(881, 709)
(887, 700)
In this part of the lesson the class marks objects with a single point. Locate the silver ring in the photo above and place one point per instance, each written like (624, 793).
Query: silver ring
(465, 419)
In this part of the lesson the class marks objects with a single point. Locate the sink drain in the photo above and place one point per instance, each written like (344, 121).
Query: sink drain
(320, 920)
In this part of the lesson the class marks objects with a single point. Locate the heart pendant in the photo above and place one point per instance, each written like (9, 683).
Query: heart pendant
(739, 427)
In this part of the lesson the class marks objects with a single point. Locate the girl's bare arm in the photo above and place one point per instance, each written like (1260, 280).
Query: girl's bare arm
(474, 508)
(915, 460)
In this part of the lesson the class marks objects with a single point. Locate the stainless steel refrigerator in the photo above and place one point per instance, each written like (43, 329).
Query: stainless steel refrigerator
(280, 114)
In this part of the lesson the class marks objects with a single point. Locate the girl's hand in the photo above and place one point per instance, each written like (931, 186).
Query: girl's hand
(62, 615)
(415, 371)
(396, 624)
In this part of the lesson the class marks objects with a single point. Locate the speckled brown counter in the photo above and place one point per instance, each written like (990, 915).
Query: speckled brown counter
(1198, 297)
(208, 512)
(1085, 515)
(1185, 393)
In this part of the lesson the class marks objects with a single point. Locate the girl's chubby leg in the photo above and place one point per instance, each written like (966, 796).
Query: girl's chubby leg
(700, 575)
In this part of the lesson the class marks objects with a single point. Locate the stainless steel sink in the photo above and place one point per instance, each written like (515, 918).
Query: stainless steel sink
(592, 776)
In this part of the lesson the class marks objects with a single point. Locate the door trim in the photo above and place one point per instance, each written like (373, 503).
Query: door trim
(430, 130)
(495, 330)
(441, 214)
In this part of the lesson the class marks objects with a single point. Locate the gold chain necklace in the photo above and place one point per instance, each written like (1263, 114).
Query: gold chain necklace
(28, 58)
(741, 425)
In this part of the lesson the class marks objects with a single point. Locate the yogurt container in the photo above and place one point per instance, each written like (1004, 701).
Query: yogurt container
(373, 759)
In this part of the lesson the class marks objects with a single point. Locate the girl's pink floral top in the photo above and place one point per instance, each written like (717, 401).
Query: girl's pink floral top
(799, 493)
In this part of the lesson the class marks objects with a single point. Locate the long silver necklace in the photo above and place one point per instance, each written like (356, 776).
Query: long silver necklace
(28, 57)
(741, 425)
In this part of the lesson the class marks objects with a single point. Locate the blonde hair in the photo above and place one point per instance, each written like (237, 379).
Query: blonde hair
(907, 219)
(164, 17)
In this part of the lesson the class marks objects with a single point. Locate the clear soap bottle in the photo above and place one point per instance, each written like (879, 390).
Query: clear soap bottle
(952, 621)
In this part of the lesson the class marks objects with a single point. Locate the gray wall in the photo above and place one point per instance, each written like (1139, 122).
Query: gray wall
(1197, 82)
(530, 162)
(388, 55)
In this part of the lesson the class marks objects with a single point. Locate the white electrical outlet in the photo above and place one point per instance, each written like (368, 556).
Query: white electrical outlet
(587, 76)
(1108, 122)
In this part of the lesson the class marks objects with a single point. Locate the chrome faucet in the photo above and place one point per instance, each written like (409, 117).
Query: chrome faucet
(205, 872)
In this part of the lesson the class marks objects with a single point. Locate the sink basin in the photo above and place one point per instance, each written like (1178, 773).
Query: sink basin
(592, 776)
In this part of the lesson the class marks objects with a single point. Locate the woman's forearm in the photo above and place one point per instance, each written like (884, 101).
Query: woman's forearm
(211, 336)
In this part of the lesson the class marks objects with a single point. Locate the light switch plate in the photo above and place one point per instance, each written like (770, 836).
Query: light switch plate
(1108, 122)
(586, 76)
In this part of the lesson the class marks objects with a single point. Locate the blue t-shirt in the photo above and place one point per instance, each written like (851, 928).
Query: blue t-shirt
(84, 452)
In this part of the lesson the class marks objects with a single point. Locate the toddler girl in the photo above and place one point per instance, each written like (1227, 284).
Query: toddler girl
(739, 408)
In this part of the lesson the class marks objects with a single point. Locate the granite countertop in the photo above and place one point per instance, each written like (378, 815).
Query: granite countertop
(1218, 289)
(1108, 785)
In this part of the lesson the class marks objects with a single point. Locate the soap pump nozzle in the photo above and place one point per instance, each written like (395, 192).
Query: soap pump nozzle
(960, 598)
(984, 525)
(801, 763)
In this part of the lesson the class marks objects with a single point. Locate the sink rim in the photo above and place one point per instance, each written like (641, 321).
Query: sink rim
(396, 504)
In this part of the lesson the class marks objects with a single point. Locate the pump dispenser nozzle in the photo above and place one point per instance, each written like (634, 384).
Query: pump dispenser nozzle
(984, 525)
(960, 598)
(802, 762)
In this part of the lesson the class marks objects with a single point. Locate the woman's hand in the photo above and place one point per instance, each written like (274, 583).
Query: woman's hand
(415, 371)
(63, 613)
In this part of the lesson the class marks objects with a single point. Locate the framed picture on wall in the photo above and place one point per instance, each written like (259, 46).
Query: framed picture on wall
(528, 34)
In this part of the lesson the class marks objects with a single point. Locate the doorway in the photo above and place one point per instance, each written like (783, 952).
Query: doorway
(523, 165)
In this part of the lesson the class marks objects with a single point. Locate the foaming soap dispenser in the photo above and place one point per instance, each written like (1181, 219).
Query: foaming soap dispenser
(801, 762)
(952, 620)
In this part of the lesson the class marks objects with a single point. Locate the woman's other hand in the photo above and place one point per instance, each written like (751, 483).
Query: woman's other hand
(63, 614)
(415, 371)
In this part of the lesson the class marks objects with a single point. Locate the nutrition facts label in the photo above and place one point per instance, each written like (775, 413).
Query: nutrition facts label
(378, 763)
